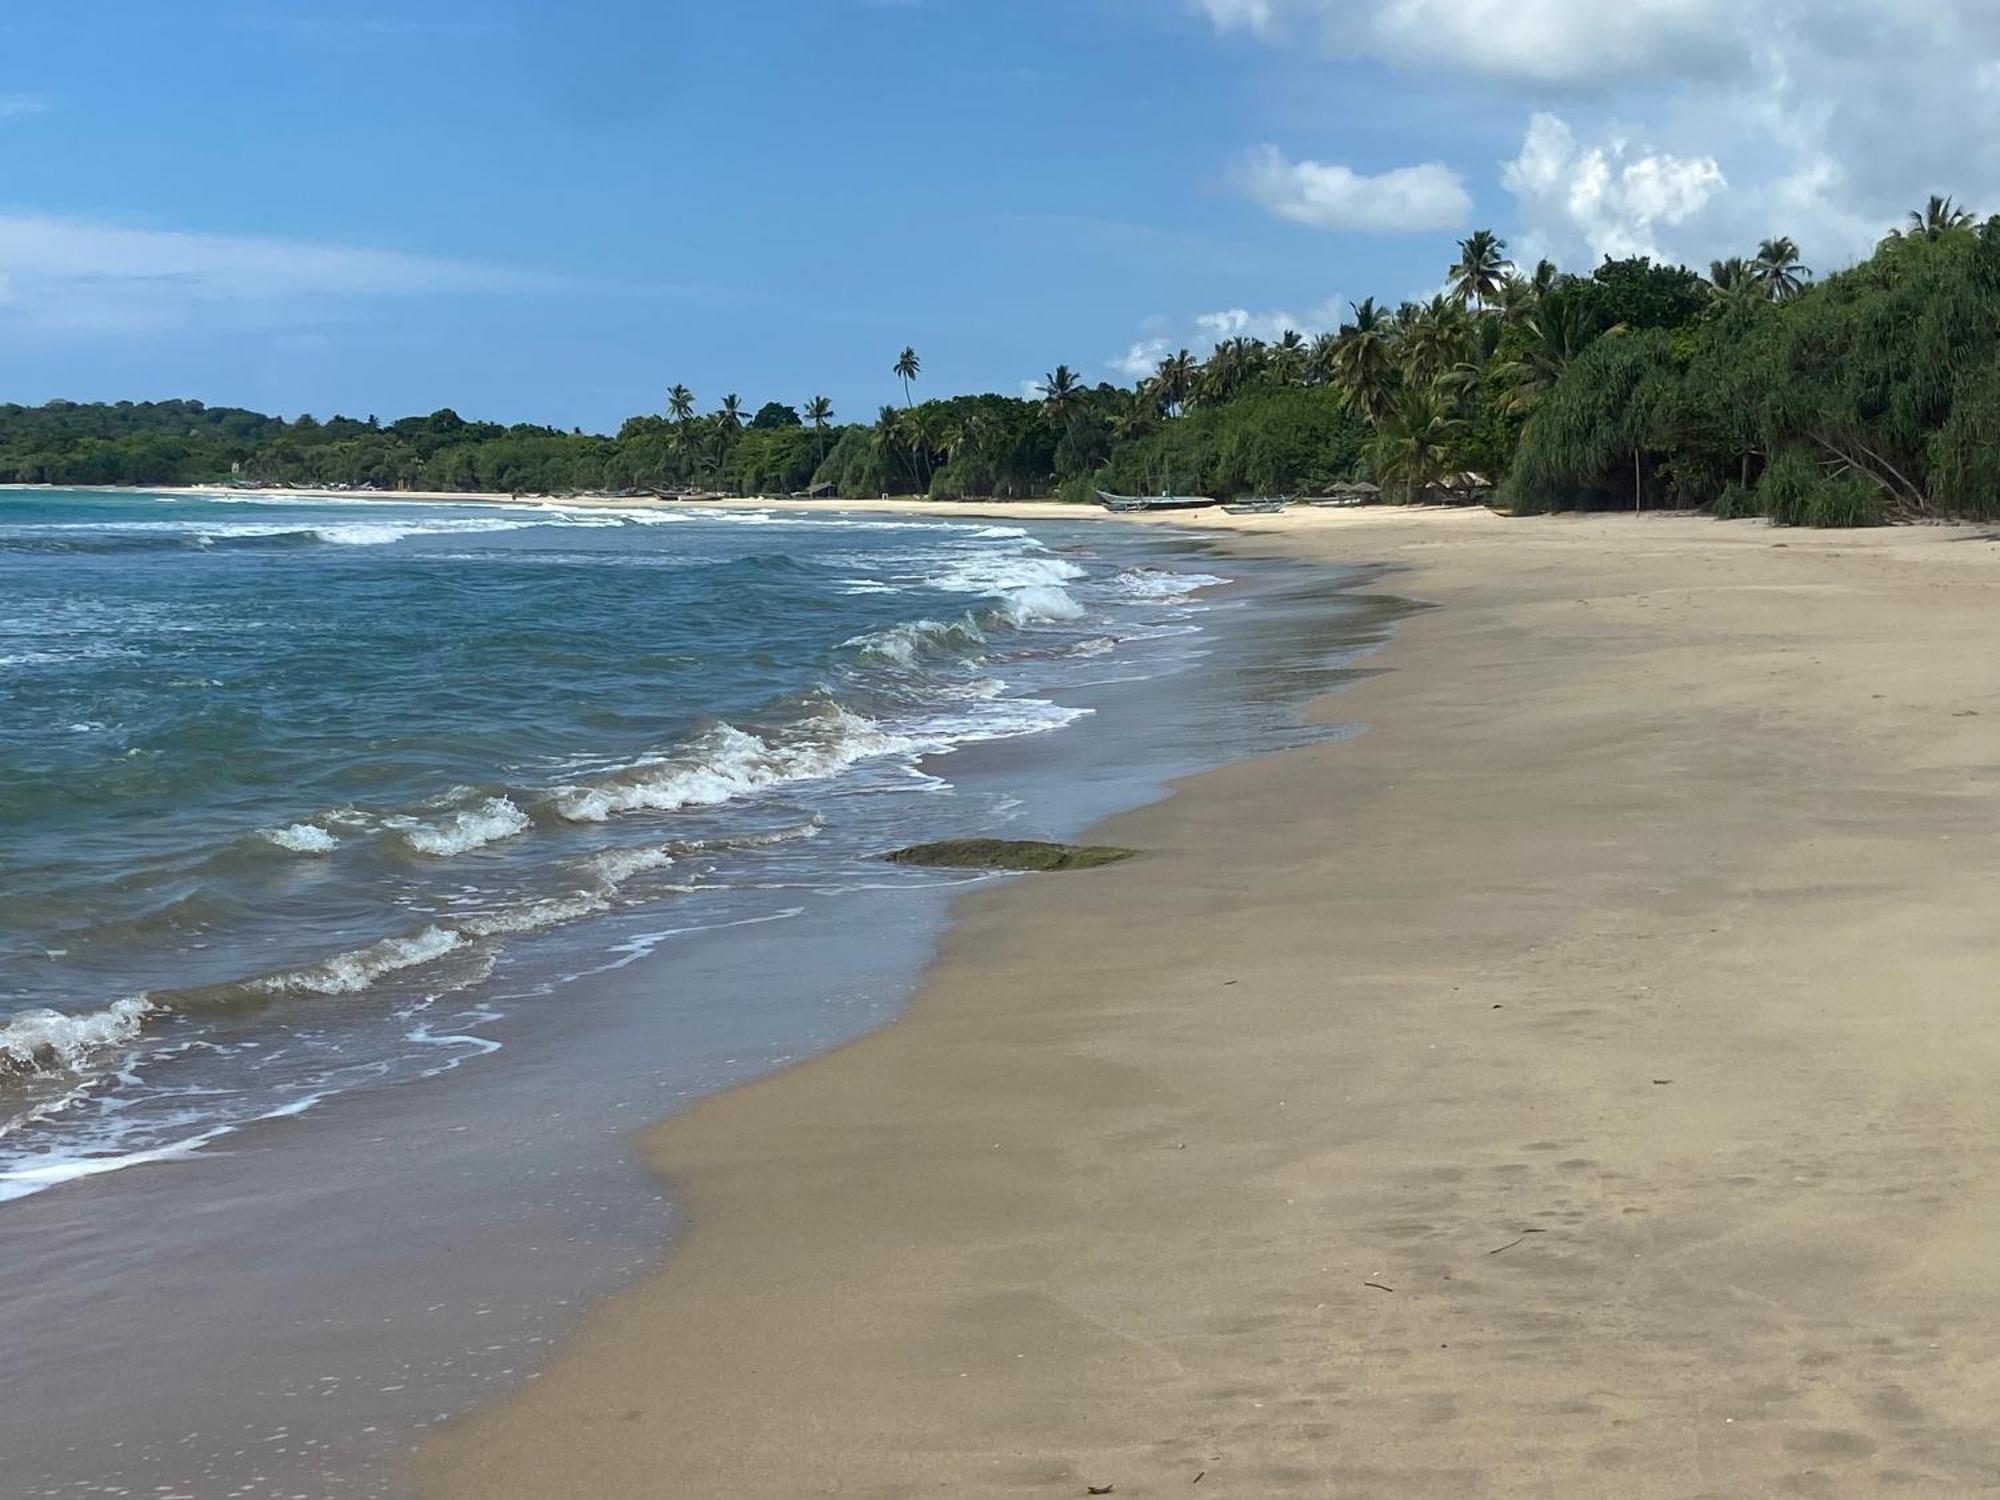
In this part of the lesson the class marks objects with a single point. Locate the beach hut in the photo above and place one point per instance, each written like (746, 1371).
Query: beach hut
(824, 490)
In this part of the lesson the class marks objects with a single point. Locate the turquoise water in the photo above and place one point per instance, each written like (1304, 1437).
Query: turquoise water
(283, 784)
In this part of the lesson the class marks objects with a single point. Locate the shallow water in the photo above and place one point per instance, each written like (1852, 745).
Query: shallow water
(348, 1161)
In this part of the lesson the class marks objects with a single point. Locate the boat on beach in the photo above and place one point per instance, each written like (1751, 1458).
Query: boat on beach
(1257, 505)
(1122, 503)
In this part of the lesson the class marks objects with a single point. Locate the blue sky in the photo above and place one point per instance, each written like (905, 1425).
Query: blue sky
(551, 212)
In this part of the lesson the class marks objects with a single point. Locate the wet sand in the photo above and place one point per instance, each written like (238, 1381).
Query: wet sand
(1582, 1083)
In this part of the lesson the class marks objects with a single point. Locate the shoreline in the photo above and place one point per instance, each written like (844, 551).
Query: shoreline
(1556, 1134)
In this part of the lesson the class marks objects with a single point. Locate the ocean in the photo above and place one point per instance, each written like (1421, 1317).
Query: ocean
(368, 869)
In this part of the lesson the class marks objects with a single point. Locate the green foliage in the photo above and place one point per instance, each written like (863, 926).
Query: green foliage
(1964, 454)
(1797, 491)
(1636, 293)
(1270, 440)
(1592, 437)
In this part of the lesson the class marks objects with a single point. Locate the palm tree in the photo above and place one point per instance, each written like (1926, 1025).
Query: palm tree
(1777, 270)
(918, 430)
(1361, 365)
(1517, 300)
(1060, 390)
(1560, 328)
(1435, 339)
(1135, 418)
(1320, 358)
(1938, 218)
(1415, 441)
(680, 401)
(888, 438)
(1732, 277)
(819, 412)
(730, 417)
(1288, 359)
(1173, 382)
(908, 367)
(1482, 261)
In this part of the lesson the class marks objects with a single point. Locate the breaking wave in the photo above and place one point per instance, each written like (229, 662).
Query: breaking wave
(470, 828)
(47, 1041)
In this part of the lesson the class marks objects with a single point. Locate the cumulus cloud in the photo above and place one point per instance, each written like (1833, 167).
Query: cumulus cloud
(1326, 195)
(1693, 127)
(1610, 198)
(1141, 359)
(80, 272)
(1204, 331)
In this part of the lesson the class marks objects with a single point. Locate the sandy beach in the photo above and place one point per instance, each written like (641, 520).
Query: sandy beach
(1580, 1083)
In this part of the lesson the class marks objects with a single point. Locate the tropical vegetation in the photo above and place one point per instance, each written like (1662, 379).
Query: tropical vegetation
(1868, 395)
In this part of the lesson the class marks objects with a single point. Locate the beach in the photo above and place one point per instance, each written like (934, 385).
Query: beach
(1578, 1082)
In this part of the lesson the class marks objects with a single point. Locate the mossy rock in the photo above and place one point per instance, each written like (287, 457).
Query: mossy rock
(1009, 854)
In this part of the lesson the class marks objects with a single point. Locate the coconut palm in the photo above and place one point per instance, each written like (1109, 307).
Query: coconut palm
(1938, 218)
(908, 367)
(1060, 390)
(730, 417)
(1415, 440)
(1135, 418)
(1482, 261)
(1362, 365)
(1173, 383)
(680, 401)
(1559, 329)
(1777, 270)
(1320, 358)
(1733, 277)
(1435, 339)
(917, 430)
(1517, 300)
(1287, 361)
(819, 412)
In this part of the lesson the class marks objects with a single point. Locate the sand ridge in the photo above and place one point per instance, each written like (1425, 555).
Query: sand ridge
(1581, 1083)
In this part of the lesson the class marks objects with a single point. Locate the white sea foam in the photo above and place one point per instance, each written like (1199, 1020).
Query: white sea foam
(995, 572)
(1041, 601)
(303, 838)
(532, 916)
(728, 763)
(470, 828)
(1156, 586)
(41, 1041)
(350, 973)
(616, 866)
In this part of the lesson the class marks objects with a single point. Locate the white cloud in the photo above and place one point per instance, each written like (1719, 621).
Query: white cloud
(1141, 359)
(1204, 331)
(68, 272)
(1567, 42)
(1695, 127)
(1328, 196)
(1609, 198)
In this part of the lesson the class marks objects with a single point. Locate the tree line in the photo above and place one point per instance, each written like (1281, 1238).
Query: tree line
(1869, 395)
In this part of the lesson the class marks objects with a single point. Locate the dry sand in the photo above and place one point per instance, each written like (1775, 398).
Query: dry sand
(1584, 1083)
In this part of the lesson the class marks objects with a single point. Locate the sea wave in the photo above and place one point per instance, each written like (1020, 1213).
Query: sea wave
(727, 763)
(302, 838)
(1158, 586)
(903, 644)
(465, 830)
(354, 971)
(46, 1041)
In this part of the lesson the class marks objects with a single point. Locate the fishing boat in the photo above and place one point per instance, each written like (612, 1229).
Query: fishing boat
(1152, 502)
(1344, 495)
(1257, 505)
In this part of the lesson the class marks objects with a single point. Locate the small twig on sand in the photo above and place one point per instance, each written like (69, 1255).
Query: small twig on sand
(1515, 1241)
(1378, 1286)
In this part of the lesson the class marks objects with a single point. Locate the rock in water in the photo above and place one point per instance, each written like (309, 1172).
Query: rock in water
(1009, 854)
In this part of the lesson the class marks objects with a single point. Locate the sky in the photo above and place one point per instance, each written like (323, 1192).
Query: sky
(552, 212)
